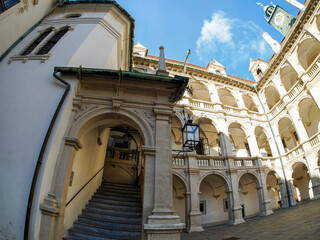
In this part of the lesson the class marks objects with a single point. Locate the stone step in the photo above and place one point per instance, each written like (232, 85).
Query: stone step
(107, 223)
(114, 208)
(115, 201)
(107, 231)
(120, 189)
(119, 193)
(132, 217)
(120, 185)
(117, 198)
(84, 235)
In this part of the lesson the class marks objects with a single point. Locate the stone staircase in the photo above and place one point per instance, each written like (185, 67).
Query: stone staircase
(113, 213)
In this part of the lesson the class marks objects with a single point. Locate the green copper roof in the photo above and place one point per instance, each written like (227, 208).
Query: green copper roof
(182, 82)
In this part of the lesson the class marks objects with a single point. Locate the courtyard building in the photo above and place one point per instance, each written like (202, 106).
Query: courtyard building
(94, 131)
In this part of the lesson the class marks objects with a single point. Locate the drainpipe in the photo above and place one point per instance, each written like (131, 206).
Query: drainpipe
(41, 154)
(278, 149)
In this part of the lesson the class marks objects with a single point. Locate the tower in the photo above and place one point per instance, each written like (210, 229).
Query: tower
(279, 18)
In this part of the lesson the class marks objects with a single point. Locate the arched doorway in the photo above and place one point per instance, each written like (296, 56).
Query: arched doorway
(249, 195)
(82, 162)
(301, 182)
(273, 190)
(214, 201)
(179, 197)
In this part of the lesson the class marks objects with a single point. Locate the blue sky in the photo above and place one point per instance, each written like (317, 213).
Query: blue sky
(228, 31)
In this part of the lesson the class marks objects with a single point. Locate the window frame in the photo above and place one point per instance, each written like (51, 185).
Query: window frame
(3, 7)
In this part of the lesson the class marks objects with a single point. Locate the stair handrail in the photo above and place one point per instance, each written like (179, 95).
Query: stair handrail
(84, 186)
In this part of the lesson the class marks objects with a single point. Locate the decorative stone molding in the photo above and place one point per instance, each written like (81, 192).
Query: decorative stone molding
(84, 109)
(49, 206)
(74, 142)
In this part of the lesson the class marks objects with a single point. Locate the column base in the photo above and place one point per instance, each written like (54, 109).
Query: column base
(195, 222)
(166, 227)
(237, 222)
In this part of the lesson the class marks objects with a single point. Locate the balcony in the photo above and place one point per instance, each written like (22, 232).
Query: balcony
(122, 155)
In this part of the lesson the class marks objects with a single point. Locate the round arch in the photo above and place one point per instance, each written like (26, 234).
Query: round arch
(200, 91)
(238, 140)
(288, 77)
(215, 199)
(250, 194)
(310, 115)
(272, 96)
(301, 181)
(179, 189)
(307, 51)
(262, 141)
(85, 130)
(226, 97)
(288, 134)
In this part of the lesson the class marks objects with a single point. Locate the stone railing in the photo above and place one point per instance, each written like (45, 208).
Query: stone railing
(203, 105)
(244, 162)
(120, 154)
(178, 160)
(295, 89)
(314, 69)
(211, 161)
(277, 107)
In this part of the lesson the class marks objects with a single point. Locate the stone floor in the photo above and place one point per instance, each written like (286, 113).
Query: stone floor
(300, 222)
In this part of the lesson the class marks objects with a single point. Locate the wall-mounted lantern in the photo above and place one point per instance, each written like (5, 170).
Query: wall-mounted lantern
(190, 135)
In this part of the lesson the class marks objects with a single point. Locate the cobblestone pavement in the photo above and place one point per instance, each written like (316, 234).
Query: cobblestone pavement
(301, 222)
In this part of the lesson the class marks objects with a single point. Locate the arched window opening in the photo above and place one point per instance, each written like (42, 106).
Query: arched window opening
(272, 96)
(209, 143)
(226, 97)
(200, 92)
(249, 103)
(47, 47)
(259, 72)
(263, 143)
(289, 77)
(301, 182)
(238, 140)
(288, 134)
(36, 42)
(308, 51)
(310, 116)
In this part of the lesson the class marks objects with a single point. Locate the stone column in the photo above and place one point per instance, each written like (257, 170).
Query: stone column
(148, 186)
(162, 224)
(194, 213)
(214, 96)
(252, 141)
(52, 208)
(235, 215)
(299, 127)
(264, 102)
(265, 203)
(295, 64)
(279, 86)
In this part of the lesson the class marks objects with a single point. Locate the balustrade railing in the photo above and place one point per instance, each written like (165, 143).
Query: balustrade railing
(294, 89)
(122, 154)
(218, 106)
(178, 161)
(244, 163)
(314, 68)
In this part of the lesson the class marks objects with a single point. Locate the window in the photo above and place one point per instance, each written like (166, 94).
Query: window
(5, 4)
(36, 42)
(56, 37)
(296, 137)
(203, 208)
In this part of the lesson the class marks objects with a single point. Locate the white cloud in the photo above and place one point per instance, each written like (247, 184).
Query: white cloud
(230, 41)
